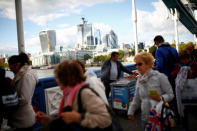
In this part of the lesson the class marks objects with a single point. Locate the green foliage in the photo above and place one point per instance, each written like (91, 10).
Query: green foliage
(96, 59)
(173, 45)
(152, 50)
(3, 64)
(182, 46)
(133, 51)
(121, 54)
(86, 57)
(140, 50)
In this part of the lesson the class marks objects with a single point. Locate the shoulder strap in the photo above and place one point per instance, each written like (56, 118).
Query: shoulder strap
(85, 86)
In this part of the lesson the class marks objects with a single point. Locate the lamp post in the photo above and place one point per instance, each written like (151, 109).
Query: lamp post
(134, 16)
(175, 18)
(19, 23)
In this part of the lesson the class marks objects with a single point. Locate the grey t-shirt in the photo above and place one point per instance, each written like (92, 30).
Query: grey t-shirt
(113, 71)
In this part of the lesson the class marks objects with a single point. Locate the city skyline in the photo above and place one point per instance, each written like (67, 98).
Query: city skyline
(105, 15)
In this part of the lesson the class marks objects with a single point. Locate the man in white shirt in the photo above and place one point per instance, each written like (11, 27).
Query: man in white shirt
(111, 70)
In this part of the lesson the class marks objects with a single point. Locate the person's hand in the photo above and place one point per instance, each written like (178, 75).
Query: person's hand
(131, 117)
(134, 73)
(71, 117)
(42, 118)
(131, 77)
(155, 97)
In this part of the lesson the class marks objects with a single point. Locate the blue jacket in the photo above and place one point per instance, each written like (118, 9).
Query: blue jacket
(161, 56)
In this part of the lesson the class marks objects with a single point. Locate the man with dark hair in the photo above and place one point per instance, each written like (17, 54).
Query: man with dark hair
(165, 55)
(111, 70)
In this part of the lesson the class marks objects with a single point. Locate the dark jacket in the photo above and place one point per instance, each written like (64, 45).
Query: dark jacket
(162, 56)
(106, 67)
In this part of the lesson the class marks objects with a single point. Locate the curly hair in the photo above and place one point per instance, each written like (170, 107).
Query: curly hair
(146, 57)
(69, 73)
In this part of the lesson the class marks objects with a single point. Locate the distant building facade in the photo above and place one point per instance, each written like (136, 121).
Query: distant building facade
(110, 40)
(113, 40)
(85, 37)
(47, 40)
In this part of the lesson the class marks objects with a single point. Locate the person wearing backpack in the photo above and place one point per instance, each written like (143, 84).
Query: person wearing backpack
(94, 116)
(165, 55)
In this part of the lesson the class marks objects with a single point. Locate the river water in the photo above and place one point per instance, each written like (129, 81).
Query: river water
(44, 73)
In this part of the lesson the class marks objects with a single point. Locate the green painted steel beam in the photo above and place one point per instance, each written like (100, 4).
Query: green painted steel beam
(184, 16)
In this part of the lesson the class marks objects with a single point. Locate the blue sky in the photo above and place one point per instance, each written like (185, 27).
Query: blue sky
(64, 15)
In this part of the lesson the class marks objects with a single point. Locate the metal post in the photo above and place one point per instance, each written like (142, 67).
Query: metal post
(195, 38)
(19, 23)
(134, 15)
(195, 35)
(175, 14)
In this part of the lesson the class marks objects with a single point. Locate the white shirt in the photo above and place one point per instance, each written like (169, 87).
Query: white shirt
(113, 71)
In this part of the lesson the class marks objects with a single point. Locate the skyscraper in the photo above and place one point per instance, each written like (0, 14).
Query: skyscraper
(85, 37)
(106, 40)
(110, 40)
(113, 40)
(97, 37)
(48, 40)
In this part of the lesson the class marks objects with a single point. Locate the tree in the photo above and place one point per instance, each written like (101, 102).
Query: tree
(96, 59)
(133, 51)
(121, 54)
(173, 45)
(86, 57)
(152, 50)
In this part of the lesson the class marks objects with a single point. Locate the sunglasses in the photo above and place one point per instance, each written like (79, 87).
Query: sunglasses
(139, 64)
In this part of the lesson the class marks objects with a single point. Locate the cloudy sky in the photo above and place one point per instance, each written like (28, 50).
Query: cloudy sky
(106, 15)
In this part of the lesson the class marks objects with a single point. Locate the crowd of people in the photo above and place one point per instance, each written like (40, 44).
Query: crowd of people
(87, 108)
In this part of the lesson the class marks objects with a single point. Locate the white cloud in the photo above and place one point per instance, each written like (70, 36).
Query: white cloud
(42, 20)
(104, 28)
(67, 37)
(32, 45)
(9, 49)
(42, 11)
(156, 22)
(62, 25)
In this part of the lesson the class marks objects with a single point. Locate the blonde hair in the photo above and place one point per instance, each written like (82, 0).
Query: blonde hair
(146, 57)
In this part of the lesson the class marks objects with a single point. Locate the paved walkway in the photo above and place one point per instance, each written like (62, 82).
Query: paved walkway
(127, 125)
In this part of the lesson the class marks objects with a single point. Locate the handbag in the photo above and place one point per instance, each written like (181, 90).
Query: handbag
(161, 118)
(59, 125)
